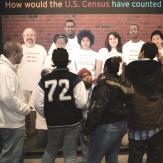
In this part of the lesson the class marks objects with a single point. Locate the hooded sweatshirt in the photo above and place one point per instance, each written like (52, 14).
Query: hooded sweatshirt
(12, 107)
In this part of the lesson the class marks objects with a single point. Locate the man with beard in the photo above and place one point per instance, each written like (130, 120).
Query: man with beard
(131, 49)
(29, 70)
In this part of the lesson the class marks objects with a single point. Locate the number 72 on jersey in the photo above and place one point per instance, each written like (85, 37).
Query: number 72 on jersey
(54, 84)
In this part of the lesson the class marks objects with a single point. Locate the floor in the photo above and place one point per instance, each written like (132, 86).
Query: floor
(121, 159)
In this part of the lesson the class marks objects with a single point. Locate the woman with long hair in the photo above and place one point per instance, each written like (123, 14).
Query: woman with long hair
(113, 47)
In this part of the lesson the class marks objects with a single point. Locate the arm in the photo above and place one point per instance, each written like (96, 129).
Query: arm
(48, 62)
(32, 100)
(80, 95)
(97, 107)
(126, 90)
(39, 100)
(99, 101)
(11, 95)
(100, 61)
(52, 47)
(124, 54)
(73, 67)
(98, 70)
(44, 53)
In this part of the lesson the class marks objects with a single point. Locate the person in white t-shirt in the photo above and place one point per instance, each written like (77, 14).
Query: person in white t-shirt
(113, 47)
(60, 41)
(29, 70)
(131, 49)
(84, 57)
(72, 43)
(157, 38)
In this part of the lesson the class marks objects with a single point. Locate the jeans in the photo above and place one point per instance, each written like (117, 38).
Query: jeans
(106, 141)
(153, 147)
(12, 144)
(84, 147)
(65, 137)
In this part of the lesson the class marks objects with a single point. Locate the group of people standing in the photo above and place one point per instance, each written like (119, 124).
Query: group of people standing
(77, 92)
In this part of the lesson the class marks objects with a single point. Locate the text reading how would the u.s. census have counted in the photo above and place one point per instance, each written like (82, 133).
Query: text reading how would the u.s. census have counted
(81, 6)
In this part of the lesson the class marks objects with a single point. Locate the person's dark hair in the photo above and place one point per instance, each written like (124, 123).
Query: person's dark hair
(10, 47)
(143, 74)
(149, 50)
(112, 64)
(60, 58)
(57, 36)
(157, 32)
(70, 20)
(119, 45)
(100, 78)
(86, 33)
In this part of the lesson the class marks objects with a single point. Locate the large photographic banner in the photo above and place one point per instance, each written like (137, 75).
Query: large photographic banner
(48, 17)
(81, 7)
(100, 16)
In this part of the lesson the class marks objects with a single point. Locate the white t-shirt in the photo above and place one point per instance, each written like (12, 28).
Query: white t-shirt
(29, 70)
(131, 51)
(104, 54)
(71, 45)
(160, 52)
(84, 59)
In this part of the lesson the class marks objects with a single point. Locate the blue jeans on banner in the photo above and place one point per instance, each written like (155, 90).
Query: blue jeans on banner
(12, 144)
(106, 141)
(65, 137)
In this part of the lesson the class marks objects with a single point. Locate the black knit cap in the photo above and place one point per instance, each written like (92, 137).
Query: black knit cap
(60, 57)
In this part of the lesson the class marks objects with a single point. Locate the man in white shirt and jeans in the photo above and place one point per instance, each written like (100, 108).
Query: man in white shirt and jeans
(131, 49)
(12, 108)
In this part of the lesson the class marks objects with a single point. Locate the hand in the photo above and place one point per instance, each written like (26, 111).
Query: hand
(86, 139)
(30, 122)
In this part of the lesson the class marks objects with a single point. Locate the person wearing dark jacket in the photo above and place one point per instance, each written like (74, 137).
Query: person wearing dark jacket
(107, 117)
(59, 97)
(146, 114)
